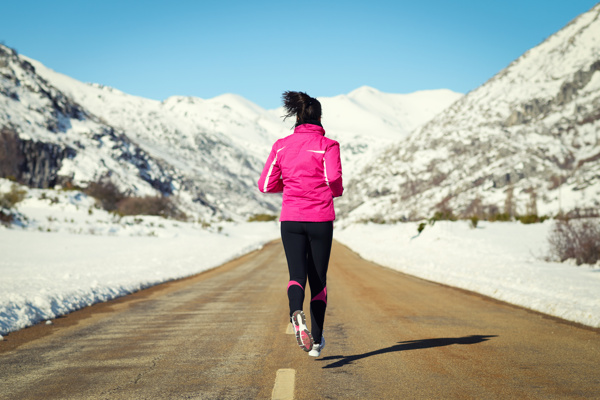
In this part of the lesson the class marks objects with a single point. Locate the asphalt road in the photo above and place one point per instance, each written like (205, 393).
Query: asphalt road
(223, 335)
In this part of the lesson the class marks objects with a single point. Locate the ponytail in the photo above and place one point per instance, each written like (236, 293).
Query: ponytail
(304, 107)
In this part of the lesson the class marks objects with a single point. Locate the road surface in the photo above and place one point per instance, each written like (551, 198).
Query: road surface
(224, 334)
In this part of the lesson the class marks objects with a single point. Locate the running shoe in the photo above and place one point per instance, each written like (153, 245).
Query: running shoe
(303, 336)
(317, 348)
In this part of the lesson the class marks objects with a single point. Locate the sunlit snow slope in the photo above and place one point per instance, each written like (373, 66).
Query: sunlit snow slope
(525, 142)
(367, 120)
(205, 154)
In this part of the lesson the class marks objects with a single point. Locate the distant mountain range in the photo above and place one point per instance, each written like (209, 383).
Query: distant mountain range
(206, 154)
(525, 142)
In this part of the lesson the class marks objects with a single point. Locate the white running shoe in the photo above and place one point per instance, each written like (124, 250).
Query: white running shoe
(303, 336)
(316, 349)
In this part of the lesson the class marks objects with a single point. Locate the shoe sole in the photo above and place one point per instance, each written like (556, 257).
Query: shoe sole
(303, 335)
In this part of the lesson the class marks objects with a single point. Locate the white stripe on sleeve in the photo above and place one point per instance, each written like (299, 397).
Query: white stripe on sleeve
(267, 178)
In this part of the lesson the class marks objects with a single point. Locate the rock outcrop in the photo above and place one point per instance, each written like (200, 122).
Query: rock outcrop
(35, 164)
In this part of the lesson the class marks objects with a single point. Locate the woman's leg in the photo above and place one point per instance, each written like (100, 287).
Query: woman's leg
(295, 244)
(320, 236)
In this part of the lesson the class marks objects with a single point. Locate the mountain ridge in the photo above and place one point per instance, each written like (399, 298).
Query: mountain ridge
(518, 144)
(206, 154)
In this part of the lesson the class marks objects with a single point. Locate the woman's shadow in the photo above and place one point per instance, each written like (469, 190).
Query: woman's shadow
(407, 345)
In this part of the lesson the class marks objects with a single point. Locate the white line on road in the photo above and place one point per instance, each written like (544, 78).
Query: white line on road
(284, 384)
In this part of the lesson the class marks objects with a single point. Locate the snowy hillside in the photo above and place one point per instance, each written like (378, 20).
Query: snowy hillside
(48, 139)
(527, 141)
(228, 118)
(205, 154)
(502, 260)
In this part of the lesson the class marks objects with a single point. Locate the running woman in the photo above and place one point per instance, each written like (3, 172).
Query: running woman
(306, 167)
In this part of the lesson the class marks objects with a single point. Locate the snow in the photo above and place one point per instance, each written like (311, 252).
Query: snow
(198, 149)
(45, 275)
(532, 128)
(65, 253)
(502, 260)
(70, 255)
(366, 120)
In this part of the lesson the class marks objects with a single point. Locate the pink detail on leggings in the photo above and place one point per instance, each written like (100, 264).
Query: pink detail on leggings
(292, 283)
(321, 296)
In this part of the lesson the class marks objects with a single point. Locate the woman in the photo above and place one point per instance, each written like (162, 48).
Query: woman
(306, 166)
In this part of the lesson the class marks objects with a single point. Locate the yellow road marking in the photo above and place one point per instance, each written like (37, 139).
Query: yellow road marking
(284, 384)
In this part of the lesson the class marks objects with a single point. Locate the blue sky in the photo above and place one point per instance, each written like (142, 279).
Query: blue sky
(258, 49)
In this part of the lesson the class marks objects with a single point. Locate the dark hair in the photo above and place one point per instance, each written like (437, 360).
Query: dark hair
(304, 107)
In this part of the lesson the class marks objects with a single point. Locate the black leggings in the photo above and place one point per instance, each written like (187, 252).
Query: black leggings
(307, 248)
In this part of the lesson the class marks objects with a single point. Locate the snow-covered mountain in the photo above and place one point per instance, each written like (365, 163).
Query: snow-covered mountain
(208, 148)
(71, 132)
(366, 120)
(525, 142)
(48, 138)
(206, 154)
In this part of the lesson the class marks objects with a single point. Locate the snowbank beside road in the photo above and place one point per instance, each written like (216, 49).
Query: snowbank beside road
(45, 275)
(500, 260)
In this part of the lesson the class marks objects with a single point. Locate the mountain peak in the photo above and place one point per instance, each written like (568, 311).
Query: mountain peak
(364, 90)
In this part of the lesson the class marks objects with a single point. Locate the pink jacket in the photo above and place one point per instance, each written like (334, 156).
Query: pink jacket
(306, 166)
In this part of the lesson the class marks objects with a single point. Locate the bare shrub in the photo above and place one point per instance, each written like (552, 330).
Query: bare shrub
(262, 218)
(499, 217)
(575, 239)
(7, 202)
(474, 221)
(531, 218)
(149, 205)
(112, 199)
(106, 193)
(444, 214)
(6, 218)
(16, 195)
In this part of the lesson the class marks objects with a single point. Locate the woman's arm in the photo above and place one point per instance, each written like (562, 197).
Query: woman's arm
(270, 179)
(333, 169)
